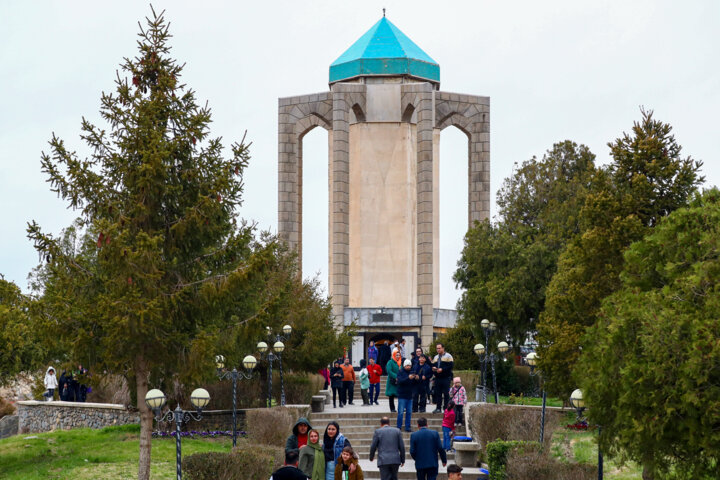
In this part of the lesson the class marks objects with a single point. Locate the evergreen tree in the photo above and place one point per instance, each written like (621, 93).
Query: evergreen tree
(646, 180)
(505, 267)
(159, 273)
(651, 364)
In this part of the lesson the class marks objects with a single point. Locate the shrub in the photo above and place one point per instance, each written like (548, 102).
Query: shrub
(247, 460)
(535, 464)
(497, 455)
(6, 408)
(269, 426)
(496, 422)
(110, 389)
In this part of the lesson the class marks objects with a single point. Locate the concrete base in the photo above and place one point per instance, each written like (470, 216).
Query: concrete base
(328, 396)
(466, 453)
(318, 403)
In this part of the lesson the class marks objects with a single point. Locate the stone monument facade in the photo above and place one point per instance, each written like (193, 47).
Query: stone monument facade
(384, 114)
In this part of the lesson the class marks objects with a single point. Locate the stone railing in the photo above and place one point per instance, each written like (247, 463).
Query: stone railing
(37, 416)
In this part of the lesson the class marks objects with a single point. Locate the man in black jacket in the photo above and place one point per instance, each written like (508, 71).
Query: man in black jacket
(289, 471)
(442, 368)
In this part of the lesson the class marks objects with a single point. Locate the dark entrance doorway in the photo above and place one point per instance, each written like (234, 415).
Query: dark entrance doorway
(383, 342)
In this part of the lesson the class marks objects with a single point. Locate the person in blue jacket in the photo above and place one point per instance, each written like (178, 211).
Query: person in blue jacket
(425, 447)
(372, 352)
(406, 381)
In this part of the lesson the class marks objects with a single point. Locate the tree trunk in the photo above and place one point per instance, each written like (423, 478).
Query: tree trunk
(647, 474)
(146, 419)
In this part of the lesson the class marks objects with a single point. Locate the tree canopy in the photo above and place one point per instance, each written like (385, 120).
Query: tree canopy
(651, 363)
(505, 267)
(646, 180)
(159, 272)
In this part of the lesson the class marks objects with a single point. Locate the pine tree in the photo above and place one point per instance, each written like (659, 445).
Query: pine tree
(146, 280)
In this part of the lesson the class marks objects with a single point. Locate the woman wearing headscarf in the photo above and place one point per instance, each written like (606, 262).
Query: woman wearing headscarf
(312, 457)
(333, 444)
(336, 382)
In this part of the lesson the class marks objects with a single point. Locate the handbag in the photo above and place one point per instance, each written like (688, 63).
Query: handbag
(393, 381)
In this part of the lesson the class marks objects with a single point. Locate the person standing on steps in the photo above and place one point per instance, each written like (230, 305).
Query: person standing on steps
(325, 373)
(374, 372)
(348, 381)
(448, 426)
(336, 383)
(459, 398)
(364, 383)
(424, 449)
(442, 369)
(423, 370)
(51, 384)
(333, 444)
(347, 467)
(403, 352)
(372, 353)
(390, 447)
(406, 381)
(391, 383)
(312, 457)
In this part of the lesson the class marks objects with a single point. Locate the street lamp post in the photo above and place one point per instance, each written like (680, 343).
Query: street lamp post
(155, 399)
(532, 359)
(503, 347)
(275, 354)
(479, 350)
(578, 403)
(249, 363)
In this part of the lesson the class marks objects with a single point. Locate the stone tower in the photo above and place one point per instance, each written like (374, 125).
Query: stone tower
(383, 113)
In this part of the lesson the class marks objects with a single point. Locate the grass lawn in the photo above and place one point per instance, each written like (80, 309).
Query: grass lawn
(521, 400)
(581, 447)
(84, 454)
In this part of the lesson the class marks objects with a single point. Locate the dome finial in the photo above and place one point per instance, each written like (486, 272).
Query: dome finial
(383, 12)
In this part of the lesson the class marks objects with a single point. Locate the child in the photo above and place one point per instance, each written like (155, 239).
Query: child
(51, 384)
(458, 397)
(348, 467)
(364, 383)
(448, 424)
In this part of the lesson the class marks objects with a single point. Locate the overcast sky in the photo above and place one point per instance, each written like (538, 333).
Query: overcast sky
(554, 70)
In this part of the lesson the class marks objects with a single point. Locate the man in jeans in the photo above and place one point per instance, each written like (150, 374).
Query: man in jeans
(442, 368)
(375, 371)
(348, 381)
(390, 447)
(406, 381)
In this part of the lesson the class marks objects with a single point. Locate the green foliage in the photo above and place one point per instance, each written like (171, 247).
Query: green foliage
(245, 461)
(652, 362)
(646, 180)
(497, 453)
(159, 274)
(505, 267)
(20, 350)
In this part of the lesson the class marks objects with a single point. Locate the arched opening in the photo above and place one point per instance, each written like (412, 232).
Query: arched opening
(313, 150)
(453, 198)
(408, 113)
(359, 114)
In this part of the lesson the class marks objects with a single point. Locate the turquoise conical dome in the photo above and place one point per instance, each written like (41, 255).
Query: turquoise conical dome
(384, 50)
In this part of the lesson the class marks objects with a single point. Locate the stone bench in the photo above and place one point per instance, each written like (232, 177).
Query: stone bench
(466, 453)
(317, 404)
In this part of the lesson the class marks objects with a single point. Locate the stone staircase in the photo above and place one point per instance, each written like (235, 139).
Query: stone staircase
(358, 423)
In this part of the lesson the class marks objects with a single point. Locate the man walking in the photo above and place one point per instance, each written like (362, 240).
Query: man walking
(424, 449)
(442, 368)
(349, 382)
(388, 443)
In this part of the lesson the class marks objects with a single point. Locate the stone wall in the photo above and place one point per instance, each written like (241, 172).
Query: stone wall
(37, 416)
(8, 426)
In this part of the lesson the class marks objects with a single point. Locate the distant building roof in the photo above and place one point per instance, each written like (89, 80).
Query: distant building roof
(384, 50)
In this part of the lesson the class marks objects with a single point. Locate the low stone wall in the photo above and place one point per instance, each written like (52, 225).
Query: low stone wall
(8, 426)
(37, 416)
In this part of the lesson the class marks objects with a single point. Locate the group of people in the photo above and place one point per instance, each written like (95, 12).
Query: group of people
(68, 385)
(306, 457)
